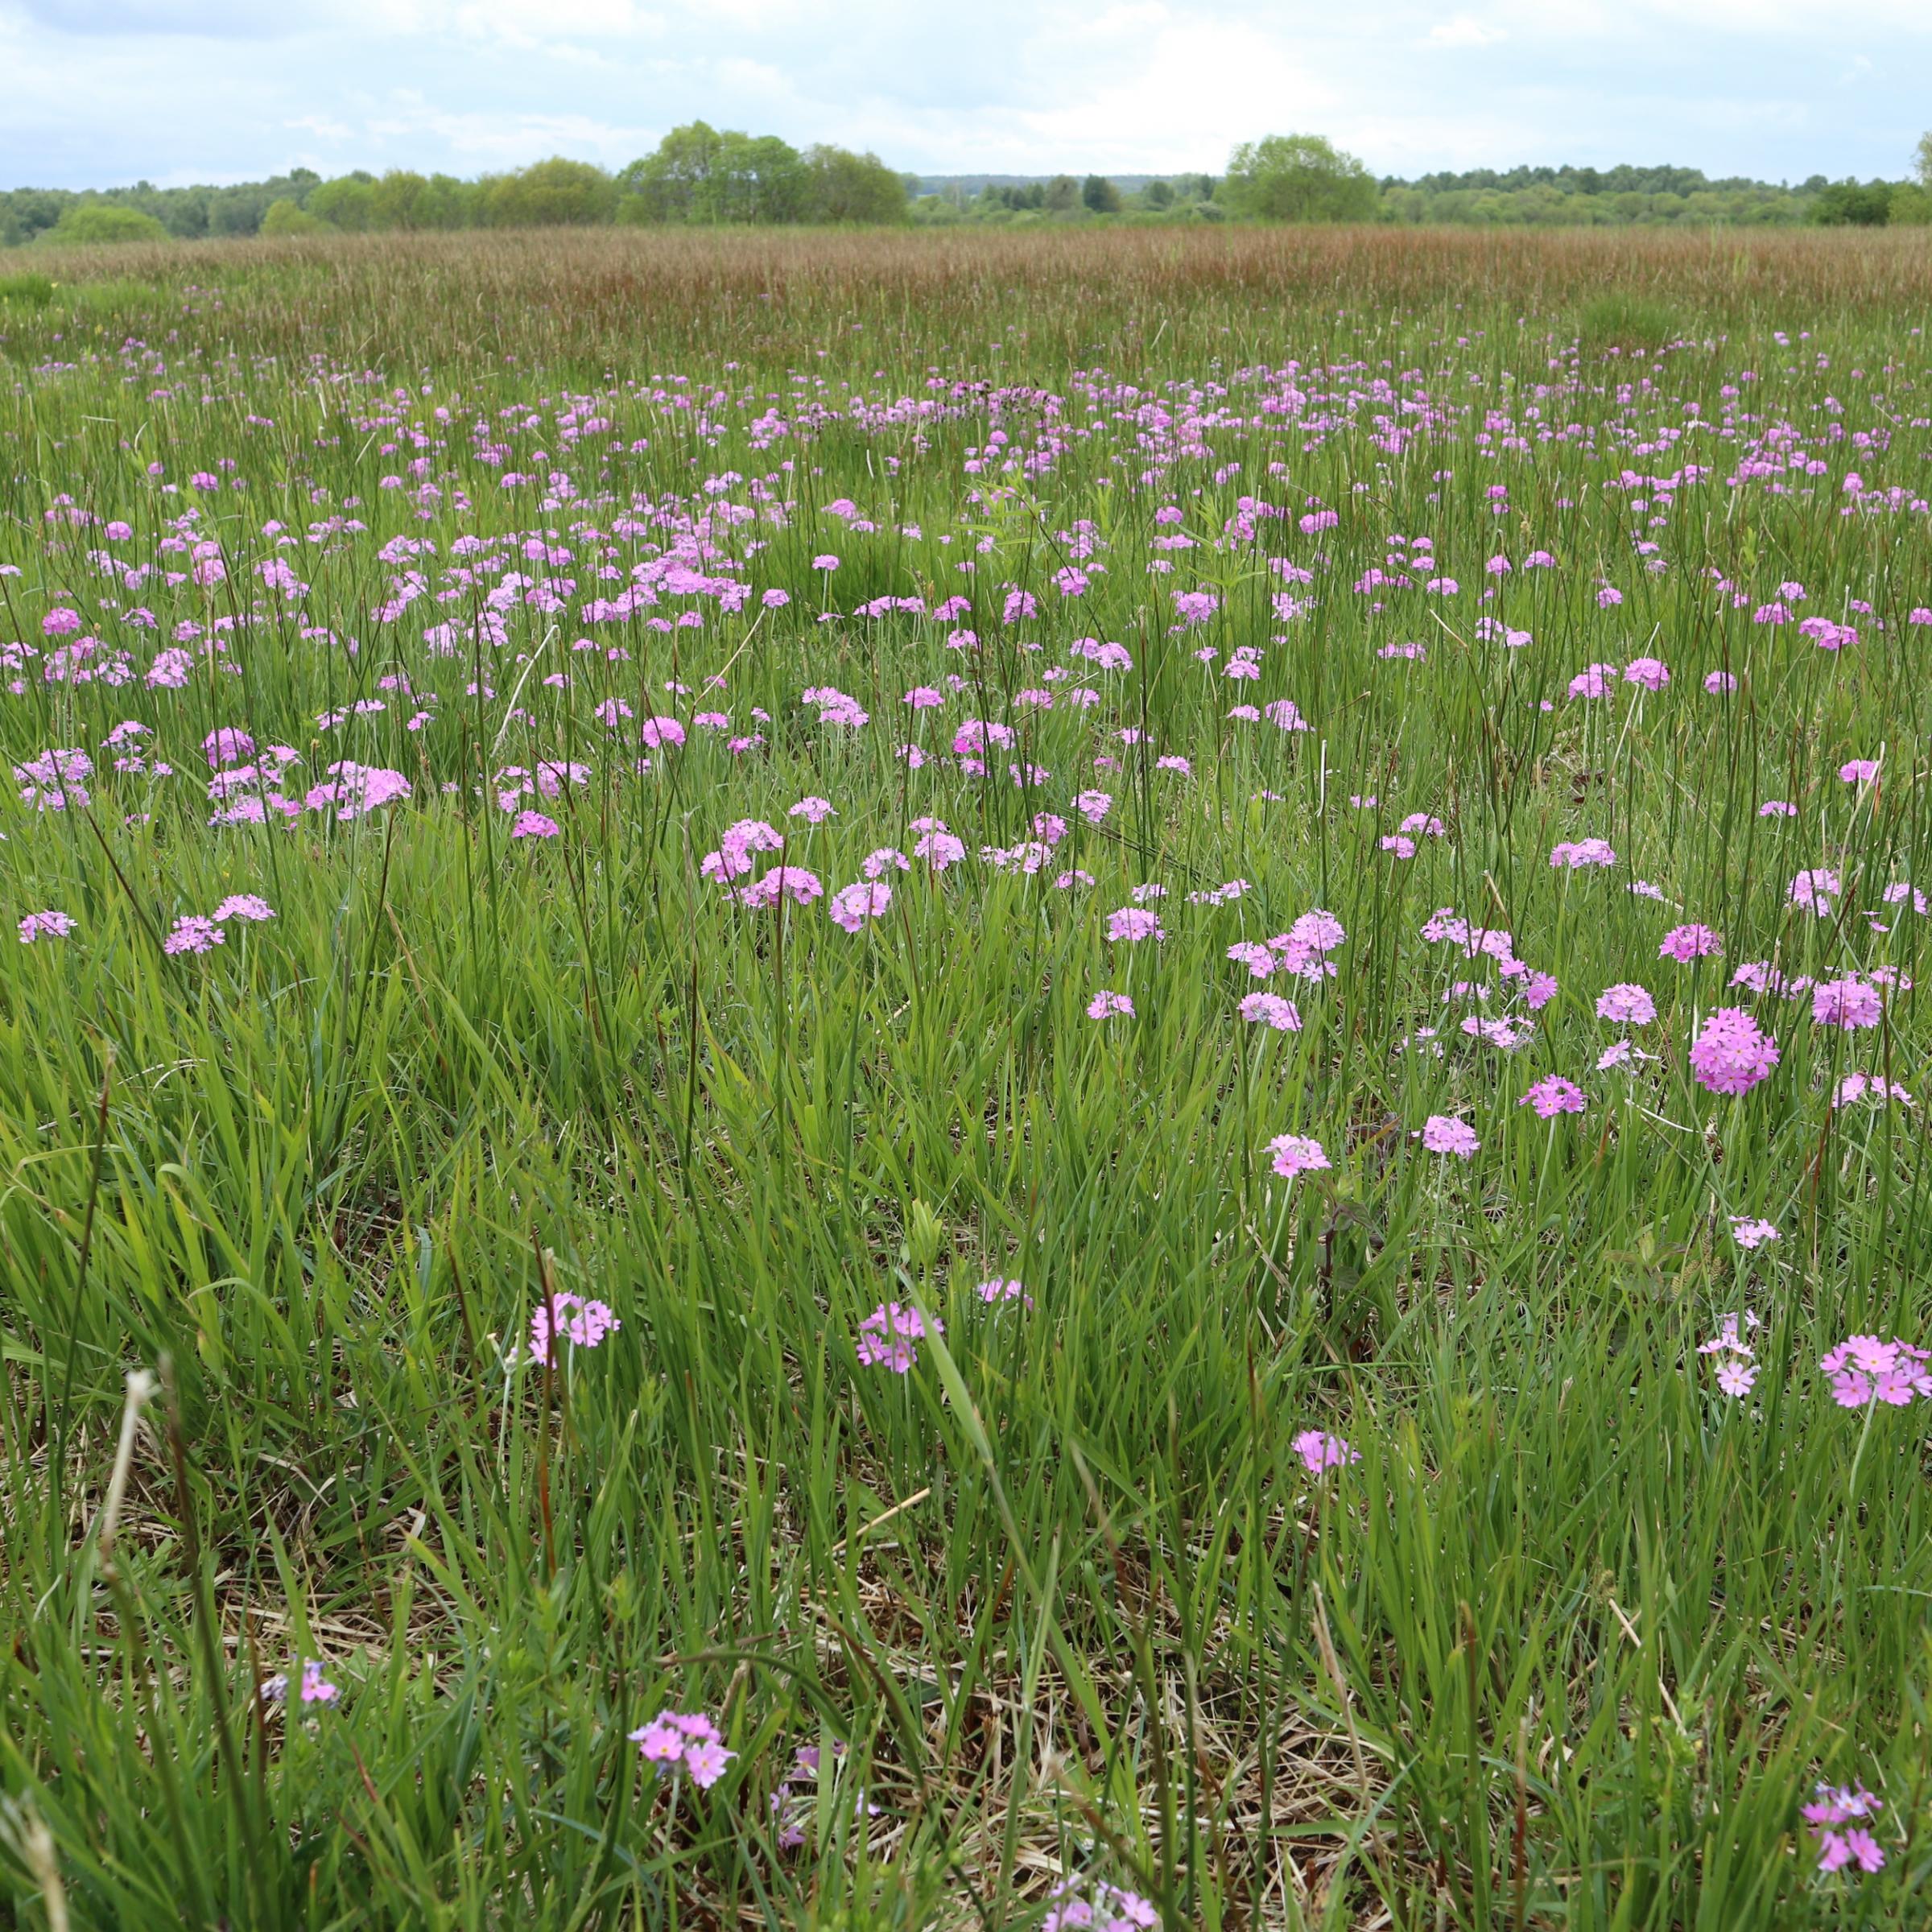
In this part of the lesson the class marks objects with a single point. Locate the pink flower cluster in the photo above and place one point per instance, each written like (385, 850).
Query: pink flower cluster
(887, 1336)
(1320, 1451)
(583, 1324)
(1104, 1908)
(45, 926)
(1737, 1371)
(688, 1741)
(998, 1291)
(1863, 1369)
(1836, 1816)
(1732, 1054)
(1443, 1134)
(1296, 1153)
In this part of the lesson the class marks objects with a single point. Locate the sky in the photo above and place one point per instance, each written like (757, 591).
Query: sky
(103, 92)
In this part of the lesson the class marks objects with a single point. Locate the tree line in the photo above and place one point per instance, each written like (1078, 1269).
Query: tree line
(697, 174)
(700, 175)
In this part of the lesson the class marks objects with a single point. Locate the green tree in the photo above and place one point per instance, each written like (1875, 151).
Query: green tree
(1062, 195)
(1099, 196)
(283, 218)
(1299, 178)
(849, 188)
(103, 221)
(1158, 195)
(702, 174)
(675, 184)
(348, 203)
(556, 193)
(1921, 160)
(1854, 204)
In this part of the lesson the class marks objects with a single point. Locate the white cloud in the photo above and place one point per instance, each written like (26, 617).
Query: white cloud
(1463, 32)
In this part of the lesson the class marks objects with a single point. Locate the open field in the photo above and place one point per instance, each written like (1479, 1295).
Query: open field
(1187, 959)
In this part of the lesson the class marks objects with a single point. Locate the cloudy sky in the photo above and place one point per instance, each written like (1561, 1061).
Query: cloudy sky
(103, 91)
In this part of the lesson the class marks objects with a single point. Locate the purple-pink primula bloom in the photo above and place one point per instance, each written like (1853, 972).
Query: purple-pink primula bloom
(1271, 1010)
(1836, 1816)
(1553, 1095)
(998, 1289)
(1626, 1005)
(1104, 1005)
(887, 1336)
(1815, 889)
(1297, 1154)
(683, 1741)
(851, 905)
(1732, 1053)
(1849, 1003)
(583, 1324)
(248, 905)
(1443, 1133)
(1685, 944)
(1582, 853)
(1320, 1451)
(191, 933)
(1863, 1369)
(1133, 923)
(45, 926)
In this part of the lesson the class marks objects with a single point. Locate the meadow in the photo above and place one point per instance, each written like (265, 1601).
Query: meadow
(967, 1080)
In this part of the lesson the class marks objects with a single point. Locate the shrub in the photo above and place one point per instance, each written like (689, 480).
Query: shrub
(283, 218)
(93, 221)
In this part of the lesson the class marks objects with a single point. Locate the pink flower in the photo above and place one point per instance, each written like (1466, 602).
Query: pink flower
(1730, 1054)
(793, 882)
(1271, 1010)
(706, 1763)
(193, 934)
(1133, 923)
(1718, 683)
(316, 1689)
(1685, 944)
(1651, 673)
(1104, 1005)
(1297, 1154)
(1833, 1815)
(1441, 1134)
(851, 905)
(45, 926)
(244, 906)
(1858, 771)
(675, 1740)
(1735, 1378)
(1553, 1095)
(1749, 1234)
(1816, 889)
(1320, 1451)
(887, 1336)
(1626, 1005)
(1851, 1004)
(1585, 852)
(1859, 1086)
(583, 1324)
(533, 825)
(998, 1291)
(1863, 1369)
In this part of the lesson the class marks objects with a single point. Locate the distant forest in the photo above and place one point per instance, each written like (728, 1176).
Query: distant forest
(704, 176)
